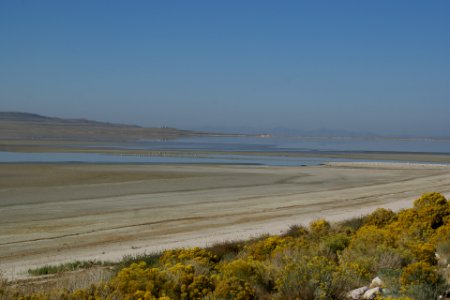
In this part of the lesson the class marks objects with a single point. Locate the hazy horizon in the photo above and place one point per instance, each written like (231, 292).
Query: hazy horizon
(378, 67)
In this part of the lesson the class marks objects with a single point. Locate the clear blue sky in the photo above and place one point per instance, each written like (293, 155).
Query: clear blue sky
(378, 66)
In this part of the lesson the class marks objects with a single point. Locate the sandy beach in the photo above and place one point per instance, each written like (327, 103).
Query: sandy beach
(54, 213)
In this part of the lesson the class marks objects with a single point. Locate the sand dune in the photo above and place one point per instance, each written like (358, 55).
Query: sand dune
(53, 213)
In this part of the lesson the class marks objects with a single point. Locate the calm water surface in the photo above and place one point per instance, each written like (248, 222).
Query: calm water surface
(294, 144)
(213, 159)
(245, 144)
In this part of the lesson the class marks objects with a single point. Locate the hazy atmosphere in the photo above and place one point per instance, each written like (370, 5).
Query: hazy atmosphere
(342, 65)
(248, 150)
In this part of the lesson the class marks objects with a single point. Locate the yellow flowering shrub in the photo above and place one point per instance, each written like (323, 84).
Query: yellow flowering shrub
(259, 275)
(196, 254)
(380, 217)
(441, 234)
(139, 279)
(430, 199)
(420, 222)
(324, 262)
(176, 282)
(418, 273)
(424, 252)
(352, 275)
(319, 227)
(422, 281)
(306, 277)
(264, 248)
(234, 288)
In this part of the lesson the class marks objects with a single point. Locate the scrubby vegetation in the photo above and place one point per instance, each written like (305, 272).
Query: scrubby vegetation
(408, 250)
(71, 266)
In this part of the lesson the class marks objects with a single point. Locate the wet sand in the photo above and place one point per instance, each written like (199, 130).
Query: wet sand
(54, 213)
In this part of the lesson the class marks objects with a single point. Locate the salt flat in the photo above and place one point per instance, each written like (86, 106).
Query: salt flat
(53, 213)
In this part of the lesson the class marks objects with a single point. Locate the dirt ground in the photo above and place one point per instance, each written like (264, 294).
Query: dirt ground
(54, 213)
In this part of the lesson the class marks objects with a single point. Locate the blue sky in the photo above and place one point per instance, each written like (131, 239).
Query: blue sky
(377, 66)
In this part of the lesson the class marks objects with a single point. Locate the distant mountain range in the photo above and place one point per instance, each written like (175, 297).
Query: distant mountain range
(30, 117)
(28, 126)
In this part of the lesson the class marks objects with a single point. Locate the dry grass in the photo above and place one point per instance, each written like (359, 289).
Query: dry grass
(52, 284)
(67, 267)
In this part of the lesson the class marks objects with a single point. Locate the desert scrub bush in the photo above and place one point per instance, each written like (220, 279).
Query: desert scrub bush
(319, 228)
(354, 223)
(151, 259)
(70, 266)
(430, 199)
(306, 277)
(234, 288)
(139, 278)
(337, 242)
(178, 281)
(354, 273)
(419, 273)
(263, 249)
(433, 216)
(201, 287)
(441, 234)
(372, 249)
(258, 274)
(198, 255)
(188, 285)
(296, 231)
(419, 223)
(422, 281)
(226, 250)
(368, 236)
(100, 291)
(380, 217)
(424, 252)
(321, 262)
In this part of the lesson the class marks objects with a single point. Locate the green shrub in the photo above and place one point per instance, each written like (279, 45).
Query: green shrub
(151, 259)
(226, 250)
(65, 267)
(354, 223)
(337, 242)
(296, 231)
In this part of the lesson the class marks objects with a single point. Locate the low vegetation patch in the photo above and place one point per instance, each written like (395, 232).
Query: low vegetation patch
(406, 252)
(70, 266)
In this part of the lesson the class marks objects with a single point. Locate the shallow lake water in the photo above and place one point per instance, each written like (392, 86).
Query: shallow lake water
(237, 144)
(295, 144)
(10, 157)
